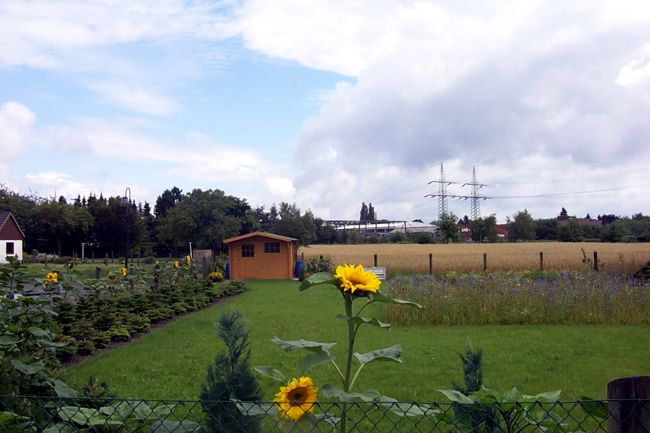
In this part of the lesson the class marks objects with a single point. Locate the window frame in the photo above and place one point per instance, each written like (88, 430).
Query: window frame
(13, 248)
(272, 247)
(248, 250)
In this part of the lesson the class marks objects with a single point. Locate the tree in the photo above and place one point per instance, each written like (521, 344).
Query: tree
(363, 215)
(371, 213)
(491, 228)
(56, 222)
(449, 227)
(564, 215)
(167, 200)
(230, 377)
(204, 218)
(546, 229)
(570, 232)
(291, 222)
(522, 227)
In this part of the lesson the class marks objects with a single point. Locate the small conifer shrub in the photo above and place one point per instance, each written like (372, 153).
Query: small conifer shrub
(230, 377)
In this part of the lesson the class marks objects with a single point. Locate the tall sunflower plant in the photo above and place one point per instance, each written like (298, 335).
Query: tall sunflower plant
(297, 399)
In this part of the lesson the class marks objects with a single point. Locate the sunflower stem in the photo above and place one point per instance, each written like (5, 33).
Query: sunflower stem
(348, 367)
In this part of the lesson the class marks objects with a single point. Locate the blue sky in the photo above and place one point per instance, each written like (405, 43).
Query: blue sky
(330, 104)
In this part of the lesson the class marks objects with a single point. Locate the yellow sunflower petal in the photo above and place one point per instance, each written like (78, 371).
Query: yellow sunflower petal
(352, 278)
(297, 398)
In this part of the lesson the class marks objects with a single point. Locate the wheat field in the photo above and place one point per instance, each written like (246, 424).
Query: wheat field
(414, 258)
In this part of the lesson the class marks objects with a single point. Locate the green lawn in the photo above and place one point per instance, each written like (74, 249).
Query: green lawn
(171, 362)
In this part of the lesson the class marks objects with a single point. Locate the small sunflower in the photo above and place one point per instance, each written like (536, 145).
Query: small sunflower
(297, 398)
(123, 271)
(176, 265)
(354, 278)
(52, 277)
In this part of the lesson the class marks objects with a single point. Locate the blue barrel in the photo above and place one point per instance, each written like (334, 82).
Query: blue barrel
(300, 265)
(227, 271)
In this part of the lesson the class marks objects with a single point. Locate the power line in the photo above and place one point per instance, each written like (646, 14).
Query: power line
(558, 194)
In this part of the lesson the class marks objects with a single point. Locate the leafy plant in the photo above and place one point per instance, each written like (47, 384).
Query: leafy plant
(230, 377)
(354, 284)
(510, 411)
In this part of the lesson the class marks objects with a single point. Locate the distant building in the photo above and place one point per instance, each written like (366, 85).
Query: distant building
(11, 238)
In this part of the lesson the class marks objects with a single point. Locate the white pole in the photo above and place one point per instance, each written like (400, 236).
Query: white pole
(83, 250)
(191, 257)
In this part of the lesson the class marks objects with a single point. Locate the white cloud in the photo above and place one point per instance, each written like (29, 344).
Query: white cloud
(16, 122)
(491, 87)
(135, 98)
(35, 33)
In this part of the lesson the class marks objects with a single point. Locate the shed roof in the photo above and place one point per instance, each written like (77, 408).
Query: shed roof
(5, 217)
(261, 234)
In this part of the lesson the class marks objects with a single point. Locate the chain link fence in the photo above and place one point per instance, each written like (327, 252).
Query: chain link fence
(61, 415)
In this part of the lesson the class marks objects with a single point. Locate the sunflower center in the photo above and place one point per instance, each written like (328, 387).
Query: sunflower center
(296, 397)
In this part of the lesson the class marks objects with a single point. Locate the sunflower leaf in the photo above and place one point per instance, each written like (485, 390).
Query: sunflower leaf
(393, 353)
(330, 419)
(379, 297)
(330, 391)
(458, 397)
(252, 408)
(318, 279)
(312, 346)
(270, 372)
(311, 361)
(597, 409)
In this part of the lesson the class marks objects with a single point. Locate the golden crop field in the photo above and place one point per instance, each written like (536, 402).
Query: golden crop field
(616, 257)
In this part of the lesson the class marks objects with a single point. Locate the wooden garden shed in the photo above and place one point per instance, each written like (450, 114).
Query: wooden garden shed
(11, 237)
(261, 256)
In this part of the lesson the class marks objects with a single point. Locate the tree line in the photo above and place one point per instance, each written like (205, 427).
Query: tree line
(106, 225)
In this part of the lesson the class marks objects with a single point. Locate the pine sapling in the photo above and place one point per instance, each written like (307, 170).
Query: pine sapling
(230, 377)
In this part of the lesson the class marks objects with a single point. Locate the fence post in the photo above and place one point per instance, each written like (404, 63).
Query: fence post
(627, 412)
(430, 264)
(484, 262)
(375, 260)
(97, 271)
(596, 261)
(302, 256)
(541, 261)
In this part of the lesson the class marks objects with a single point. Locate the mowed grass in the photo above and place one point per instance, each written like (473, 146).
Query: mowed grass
(410, 258)
(171, 362)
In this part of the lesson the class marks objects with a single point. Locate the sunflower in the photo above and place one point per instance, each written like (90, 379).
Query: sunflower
(297, 398)
(354, 278)
(176, 265)
(52, 277)
(123, 271)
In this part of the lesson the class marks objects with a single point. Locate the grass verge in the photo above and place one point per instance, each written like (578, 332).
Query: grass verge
(172, 362)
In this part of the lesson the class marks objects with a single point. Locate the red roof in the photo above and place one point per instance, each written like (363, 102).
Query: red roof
(6, 221)
(260, 234)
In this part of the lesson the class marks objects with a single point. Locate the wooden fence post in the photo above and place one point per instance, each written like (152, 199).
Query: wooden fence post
(97, 272)
(628, 413)
(596, 261)
(375, 260)
(484, 262)
(430, 264)
(541, 261)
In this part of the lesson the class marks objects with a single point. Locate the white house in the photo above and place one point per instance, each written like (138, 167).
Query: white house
(11, 238)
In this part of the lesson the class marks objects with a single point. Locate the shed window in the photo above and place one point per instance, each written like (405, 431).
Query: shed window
(248, 250)
(271, 247)
(10, 248)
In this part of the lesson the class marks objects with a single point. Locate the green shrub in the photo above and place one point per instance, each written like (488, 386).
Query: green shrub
(230, 377)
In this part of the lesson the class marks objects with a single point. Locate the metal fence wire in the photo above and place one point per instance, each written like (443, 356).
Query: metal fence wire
(72, 415)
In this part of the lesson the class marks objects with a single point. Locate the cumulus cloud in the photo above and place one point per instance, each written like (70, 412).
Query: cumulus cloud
(468, 83)
(16, 122)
